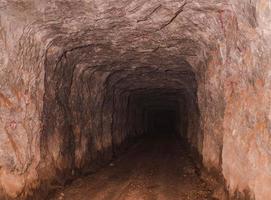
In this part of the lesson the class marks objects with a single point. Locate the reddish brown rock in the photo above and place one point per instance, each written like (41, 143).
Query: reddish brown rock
(75, 77)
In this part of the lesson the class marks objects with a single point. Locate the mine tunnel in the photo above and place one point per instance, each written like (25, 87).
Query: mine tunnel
(140, 119)
(141, 125)
(135, 99)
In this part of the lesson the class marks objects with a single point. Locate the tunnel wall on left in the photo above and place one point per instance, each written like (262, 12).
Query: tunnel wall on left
(21, 105)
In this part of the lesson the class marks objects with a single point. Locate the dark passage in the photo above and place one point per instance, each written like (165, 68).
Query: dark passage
(157, 166)
(161, 121)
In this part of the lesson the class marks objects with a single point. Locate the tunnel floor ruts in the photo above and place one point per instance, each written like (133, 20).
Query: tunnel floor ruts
(158, 168)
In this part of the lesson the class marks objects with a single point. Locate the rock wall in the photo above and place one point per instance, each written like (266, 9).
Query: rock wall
(237, 98)
(77, 76)
(246, 142)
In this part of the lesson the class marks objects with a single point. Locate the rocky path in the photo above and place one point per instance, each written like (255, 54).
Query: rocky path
(154, 169)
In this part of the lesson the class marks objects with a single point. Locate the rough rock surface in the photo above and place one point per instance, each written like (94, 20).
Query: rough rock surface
(75, 76)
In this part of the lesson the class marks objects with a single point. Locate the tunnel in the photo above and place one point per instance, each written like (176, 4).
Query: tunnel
(96, 114)
(135, 99)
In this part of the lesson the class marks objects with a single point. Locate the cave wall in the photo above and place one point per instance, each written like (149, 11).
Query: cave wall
(236, 102)
(68, 71)
(246, 122)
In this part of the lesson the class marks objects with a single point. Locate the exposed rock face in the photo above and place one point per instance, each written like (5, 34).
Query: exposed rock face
(77, 76)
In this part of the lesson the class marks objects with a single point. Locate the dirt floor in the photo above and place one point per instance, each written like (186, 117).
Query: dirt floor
(156, 168)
